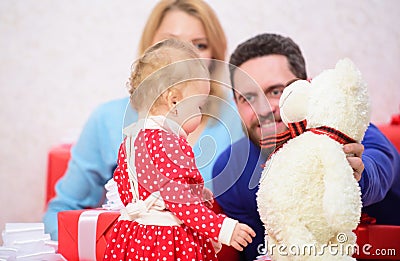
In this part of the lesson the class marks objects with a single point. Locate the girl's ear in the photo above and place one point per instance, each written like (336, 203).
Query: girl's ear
(173, 96)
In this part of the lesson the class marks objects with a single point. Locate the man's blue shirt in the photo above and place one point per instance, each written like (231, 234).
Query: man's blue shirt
(237, 172)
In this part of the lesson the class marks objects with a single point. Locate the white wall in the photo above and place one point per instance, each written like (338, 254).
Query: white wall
(59, 59)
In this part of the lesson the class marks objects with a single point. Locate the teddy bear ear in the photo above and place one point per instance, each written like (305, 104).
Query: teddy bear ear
(293, 103)
(349, 76)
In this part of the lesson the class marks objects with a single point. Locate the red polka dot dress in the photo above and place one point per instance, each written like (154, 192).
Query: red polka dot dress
(164, 162)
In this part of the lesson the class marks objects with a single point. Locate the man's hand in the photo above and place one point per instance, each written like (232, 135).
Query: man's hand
(354, 152)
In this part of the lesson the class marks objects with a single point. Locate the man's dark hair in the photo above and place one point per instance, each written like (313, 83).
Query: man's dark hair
(268, 44)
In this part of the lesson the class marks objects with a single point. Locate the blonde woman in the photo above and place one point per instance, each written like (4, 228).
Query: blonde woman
(94, 156)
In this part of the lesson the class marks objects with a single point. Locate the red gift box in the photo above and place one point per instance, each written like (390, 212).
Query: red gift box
(83, 234)
(378, 242)
(58, 159)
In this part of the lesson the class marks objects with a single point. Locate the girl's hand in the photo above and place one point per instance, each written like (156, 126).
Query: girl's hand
(217, 246)
(242, 236)
(208, 198)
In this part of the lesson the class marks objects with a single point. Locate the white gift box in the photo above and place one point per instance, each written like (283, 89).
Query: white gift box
(19, 233)
(27, 241)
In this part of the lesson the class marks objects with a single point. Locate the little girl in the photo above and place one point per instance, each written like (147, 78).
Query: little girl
(165, 215)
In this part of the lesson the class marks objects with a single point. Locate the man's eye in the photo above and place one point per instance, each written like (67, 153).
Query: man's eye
(246, 98)
(275, 92)
(250, 98)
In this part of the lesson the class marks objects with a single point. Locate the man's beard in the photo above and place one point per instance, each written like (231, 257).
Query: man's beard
(251, 134)
(255, 139)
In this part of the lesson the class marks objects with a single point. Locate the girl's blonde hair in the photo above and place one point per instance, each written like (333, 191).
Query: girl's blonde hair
(166, 64)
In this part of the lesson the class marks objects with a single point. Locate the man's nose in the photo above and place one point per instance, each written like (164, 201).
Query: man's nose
(265, 107)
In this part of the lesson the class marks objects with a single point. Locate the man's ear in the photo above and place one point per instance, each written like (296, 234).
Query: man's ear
(173, 96)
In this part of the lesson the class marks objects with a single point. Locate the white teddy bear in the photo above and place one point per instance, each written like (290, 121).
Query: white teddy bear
(308, 198)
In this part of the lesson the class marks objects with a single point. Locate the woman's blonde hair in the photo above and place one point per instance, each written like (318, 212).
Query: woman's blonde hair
(197, 8)
(164, 65)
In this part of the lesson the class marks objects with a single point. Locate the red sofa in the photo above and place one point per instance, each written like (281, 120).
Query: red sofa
(392, 130)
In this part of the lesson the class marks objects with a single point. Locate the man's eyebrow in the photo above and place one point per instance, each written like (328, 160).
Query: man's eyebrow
(279, 85)
(246, 93)
(292, 81)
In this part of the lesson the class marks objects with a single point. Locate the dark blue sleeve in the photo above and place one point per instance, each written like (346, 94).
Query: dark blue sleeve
(234, 174)
(382, 171)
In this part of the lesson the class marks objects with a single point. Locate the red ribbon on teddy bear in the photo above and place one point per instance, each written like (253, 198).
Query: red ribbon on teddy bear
(295, 129)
